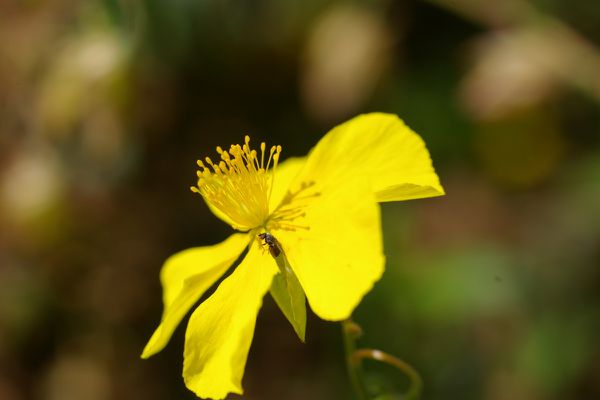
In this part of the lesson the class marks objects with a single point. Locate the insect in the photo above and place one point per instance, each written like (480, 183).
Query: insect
(269, 240)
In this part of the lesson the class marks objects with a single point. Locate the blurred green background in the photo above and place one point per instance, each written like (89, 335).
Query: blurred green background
(492, 292)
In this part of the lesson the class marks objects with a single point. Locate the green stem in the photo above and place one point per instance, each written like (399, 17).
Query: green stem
(416, 384)
(354, 358)
(351, 331)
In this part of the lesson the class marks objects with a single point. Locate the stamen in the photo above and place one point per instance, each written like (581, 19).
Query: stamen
(292, 208)
(273, 148)
(275, 162)
(239, 185)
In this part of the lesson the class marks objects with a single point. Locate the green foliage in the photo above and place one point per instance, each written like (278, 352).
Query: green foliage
(289, 296)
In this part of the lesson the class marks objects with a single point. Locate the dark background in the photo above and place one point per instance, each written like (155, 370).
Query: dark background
(491, 292)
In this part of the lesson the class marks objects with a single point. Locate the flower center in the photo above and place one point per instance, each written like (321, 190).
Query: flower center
(239, 185)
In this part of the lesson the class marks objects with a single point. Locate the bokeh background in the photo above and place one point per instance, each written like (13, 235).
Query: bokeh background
(492, 292)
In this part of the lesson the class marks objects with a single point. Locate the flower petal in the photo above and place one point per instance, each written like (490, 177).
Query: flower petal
(381, 145)
(339, 257)
(185, 276)
(284, 175)
(220, 331)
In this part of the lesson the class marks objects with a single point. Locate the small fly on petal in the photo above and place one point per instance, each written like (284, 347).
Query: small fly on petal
(270, 241)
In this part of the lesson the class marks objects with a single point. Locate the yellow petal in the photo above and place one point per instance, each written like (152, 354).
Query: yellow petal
(220, 331)
(284, 175)
(382, 146)
(185, 276)
(339, 255)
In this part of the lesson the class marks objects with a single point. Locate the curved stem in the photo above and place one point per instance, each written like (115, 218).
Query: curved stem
(416, 384)
(351, 332)
(354, 357)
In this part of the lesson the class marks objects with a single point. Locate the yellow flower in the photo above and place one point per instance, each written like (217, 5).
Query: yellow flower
(322, 210)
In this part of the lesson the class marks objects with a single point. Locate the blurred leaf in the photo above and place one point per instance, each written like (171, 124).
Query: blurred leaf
(555, 349)
(464, 285)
